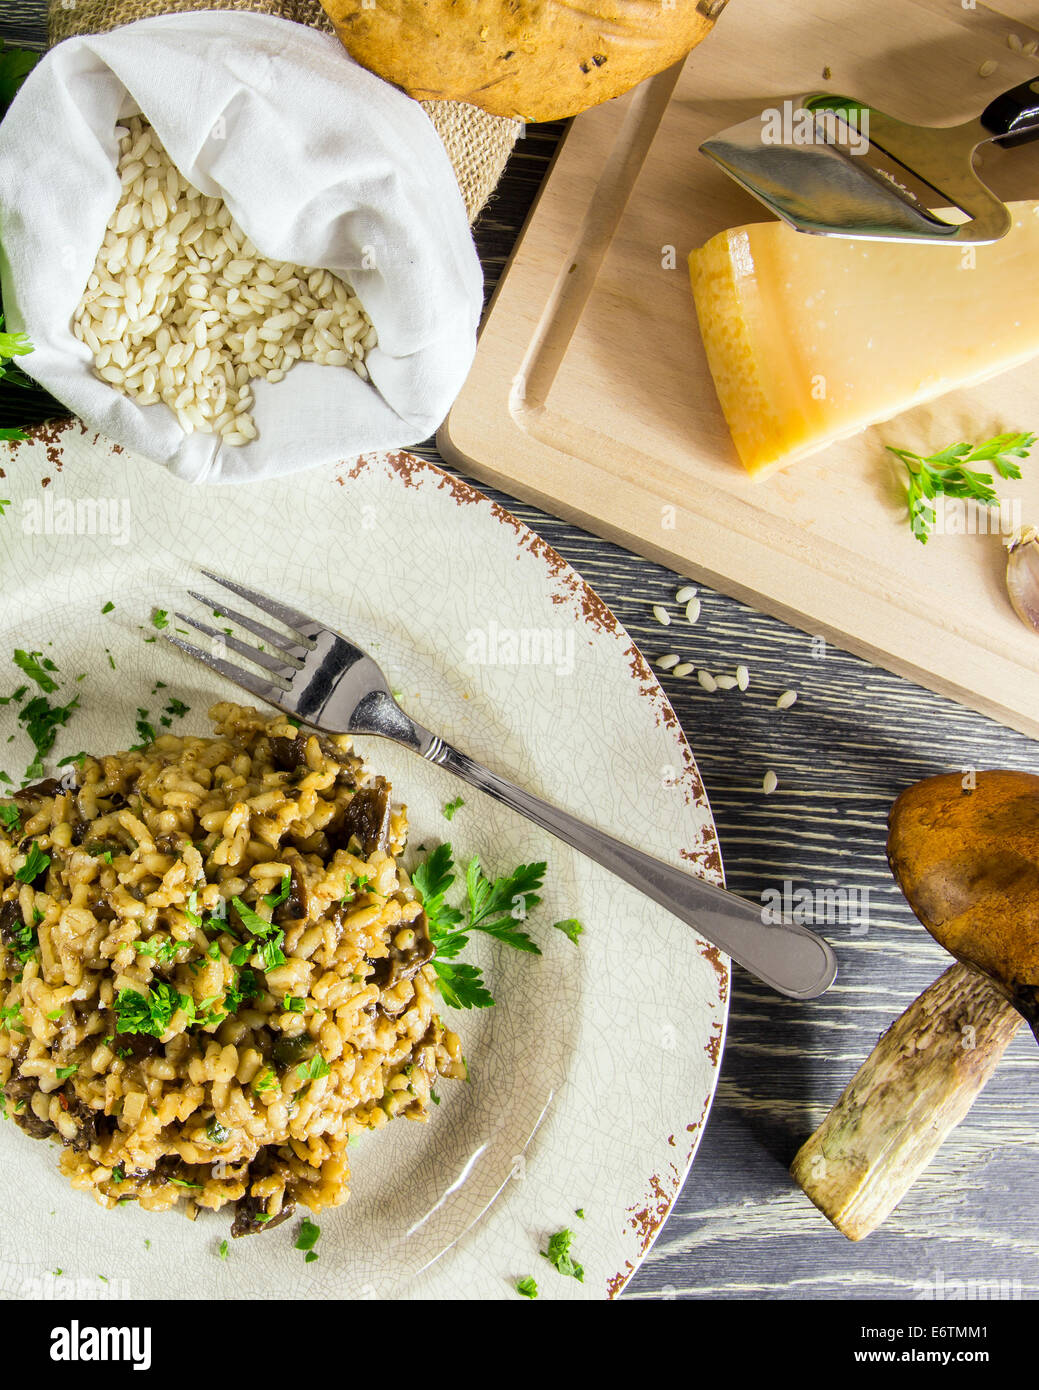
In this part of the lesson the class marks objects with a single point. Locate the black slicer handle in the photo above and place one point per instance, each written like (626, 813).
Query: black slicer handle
(1013, 117)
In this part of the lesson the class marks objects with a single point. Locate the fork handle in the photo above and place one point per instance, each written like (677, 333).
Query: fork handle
(787, 956)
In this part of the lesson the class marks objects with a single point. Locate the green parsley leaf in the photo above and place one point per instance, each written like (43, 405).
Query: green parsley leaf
(270, 952)
(217, 1133)
(265, 1081)
(252, 921)
(42, 722)
(36, 863)
(948, 473)
(496, 908)
(152, 1015)
(11, 1018)
(308, 1234)
(314, 1069)
(26, 942)
(461, 985)
(36, 666)
(558, 1254)
(431, 880)
(145, 730)
(274, 900)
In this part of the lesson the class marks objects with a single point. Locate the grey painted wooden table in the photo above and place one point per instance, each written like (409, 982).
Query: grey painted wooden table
(856, 736)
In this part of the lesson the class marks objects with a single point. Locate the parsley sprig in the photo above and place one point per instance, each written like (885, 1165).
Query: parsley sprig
(949, 473)
(498, 908)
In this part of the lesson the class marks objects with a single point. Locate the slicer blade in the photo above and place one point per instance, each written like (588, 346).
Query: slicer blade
(859, 183)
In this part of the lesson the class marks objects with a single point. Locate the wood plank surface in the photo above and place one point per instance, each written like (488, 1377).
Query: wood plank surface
(856, 736)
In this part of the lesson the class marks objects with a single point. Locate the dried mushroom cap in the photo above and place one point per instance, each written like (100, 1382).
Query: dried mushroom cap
(967, 860)
(538, 60)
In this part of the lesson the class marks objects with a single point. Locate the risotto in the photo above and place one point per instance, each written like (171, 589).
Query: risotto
(214, 971)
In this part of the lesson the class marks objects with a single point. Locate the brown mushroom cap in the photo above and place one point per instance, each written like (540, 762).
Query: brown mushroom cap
(540, 60)
(967, 860)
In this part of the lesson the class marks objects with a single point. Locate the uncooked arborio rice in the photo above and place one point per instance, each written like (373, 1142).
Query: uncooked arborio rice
(254, 1084)
(182, 308)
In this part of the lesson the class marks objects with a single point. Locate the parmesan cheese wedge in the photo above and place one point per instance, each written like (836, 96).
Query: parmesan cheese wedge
(811, 339)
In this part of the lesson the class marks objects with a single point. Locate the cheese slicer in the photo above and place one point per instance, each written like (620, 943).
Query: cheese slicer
(833, 166)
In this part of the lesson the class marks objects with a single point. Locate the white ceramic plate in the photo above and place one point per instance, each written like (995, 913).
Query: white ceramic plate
(591, 1079)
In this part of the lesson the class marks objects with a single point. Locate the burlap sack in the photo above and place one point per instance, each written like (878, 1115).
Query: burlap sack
(477, 143)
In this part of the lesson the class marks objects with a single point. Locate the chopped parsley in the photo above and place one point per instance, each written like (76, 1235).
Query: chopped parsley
(11, 1018)
(36, 863)
(269, 938)
(36, 666)
(558, 1254)
(274, 900)
(42, 721)
(152, 1015)
(265, 1081)
(27, 943)
(163, 948)
(145, 730)
(217, 1133)
(314, 1069)
(307, 1238)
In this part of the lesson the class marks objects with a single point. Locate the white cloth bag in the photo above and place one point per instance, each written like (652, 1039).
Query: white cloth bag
(320, 162)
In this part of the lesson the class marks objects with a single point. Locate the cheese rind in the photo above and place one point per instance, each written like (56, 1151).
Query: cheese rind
(811, 339)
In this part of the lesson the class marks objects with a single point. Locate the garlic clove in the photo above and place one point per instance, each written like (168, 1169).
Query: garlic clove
(1023, 575)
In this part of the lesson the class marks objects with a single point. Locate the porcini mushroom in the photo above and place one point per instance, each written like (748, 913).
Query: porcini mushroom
(965, 851)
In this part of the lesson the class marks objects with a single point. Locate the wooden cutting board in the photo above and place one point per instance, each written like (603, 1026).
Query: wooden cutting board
(591, 397)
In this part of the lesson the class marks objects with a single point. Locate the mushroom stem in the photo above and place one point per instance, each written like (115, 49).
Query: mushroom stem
(914, 1088)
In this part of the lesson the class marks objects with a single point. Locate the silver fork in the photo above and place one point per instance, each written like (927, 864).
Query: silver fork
(321, 678)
